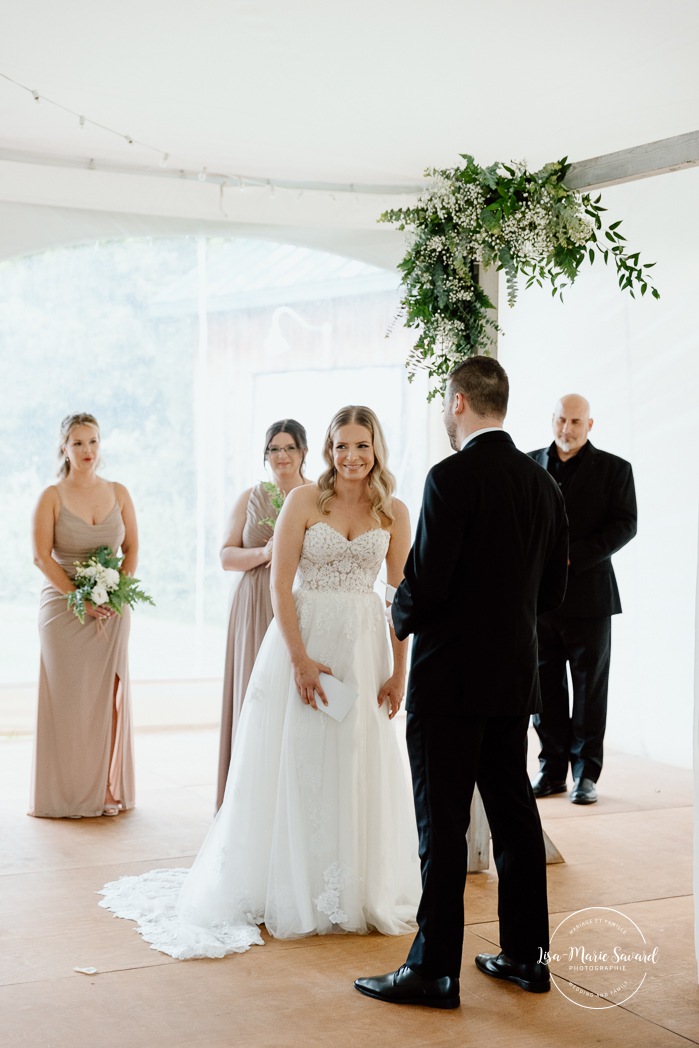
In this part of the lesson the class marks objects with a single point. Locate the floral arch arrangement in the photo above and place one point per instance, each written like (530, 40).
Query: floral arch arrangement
(525, 223)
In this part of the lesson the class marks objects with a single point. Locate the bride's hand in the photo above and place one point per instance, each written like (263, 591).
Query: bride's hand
(307, 680)
(392, 693)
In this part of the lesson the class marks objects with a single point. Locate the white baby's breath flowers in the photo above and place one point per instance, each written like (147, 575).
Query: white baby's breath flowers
(504, 216)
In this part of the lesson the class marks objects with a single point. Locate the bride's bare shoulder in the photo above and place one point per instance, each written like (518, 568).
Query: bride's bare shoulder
(304, 495)
(400, 513)
(301, 504)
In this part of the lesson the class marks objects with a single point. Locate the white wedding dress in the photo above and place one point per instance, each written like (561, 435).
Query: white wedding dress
(317, 832)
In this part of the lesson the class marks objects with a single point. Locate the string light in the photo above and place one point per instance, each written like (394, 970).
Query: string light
(189, 171)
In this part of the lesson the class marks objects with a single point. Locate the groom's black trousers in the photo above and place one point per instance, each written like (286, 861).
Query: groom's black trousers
(448, 756)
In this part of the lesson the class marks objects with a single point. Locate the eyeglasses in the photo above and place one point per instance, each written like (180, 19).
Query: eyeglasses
(279, 451)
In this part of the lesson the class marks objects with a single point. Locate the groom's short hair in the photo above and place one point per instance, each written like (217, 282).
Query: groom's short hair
(484, 383)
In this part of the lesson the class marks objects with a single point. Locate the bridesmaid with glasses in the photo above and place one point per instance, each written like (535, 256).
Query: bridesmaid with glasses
(247, 548)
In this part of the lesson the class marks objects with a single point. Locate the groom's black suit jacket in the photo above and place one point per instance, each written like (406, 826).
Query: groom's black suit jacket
(490, 554)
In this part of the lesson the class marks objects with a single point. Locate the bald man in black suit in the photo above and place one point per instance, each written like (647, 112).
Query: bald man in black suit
(490, 552)
(600, 499)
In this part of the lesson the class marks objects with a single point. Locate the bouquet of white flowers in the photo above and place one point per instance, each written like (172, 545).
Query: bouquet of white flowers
(100, 581)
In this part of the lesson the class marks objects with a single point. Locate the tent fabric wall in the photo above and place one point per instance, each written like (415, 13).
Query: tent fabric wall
(696, 783)
(26, 228)
(637, 361)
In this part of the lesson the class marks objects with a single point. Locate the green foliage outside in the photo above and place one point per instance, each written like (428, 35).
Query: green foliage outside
(80, 331)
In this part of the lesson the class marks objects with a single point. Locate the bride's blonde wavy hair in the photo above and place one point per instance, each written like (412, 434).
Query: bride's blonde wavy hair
(381, 481)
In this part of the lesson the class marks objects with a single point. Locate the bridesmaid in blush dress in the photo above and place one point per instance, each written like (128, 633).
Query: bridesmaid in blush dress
(247, 547)
(83, 751)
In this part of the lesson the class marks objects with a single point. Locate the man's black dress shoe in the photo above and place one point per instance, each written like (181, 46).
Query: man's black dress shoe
(408, 987)
(533, 977)
(583, 792)
(543, 786)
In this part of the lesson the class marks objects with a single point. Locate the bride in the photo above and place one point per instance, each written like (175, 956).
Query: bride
(316, 833)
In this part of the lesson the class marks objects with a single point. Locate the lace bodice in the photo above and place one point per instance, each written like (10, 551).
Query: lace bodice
(329, 561)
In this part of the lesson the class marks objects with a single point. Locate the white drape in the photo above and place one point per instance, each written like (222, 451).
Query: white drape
(696, 787)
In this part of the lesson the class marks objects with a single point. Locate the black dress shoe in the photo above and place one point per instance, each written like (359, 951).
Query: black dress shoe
(408, 987)
(584, 792)
(543, 786)
(533, 976)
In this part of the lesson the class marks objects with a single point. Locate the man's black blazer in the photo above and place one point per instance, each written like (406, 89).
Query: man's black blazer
(490, 553)
(601, 508)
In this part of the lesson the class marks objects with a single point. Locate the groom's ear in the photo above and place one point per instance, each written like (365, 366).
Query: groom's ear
(459, 402)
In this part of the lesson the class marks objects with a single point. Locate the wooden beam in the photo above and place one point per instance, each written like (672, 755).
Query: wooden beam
(628, 165)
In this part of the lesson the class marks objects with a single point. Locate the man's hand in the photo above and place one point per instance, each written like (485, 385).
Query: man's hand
(392, 692)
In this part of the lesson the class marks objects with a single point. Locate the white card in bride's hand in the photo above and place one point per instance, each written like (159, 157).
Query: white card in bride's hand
(390, 591)
(340, 697)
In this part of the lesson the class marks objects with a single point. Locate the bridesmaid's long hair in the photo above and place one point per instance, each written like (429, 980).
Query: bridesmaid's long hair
(69, 423)
(381, 481)
(294, 429)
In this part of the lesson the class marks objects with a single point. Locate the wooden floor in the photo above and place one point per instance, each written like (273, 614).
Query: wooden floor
(631, 851)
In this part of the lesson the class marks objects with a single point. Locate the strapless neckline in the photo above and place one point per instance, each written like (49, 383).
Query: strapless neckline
(370, 531)
(99, 524)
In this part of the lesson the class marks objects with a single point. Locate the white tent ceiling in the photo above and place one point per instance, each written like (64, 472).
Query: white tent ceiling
(312, 92)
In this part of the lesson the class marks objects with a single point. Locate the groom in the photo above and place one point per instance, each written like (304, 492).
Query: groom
(490, 554)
